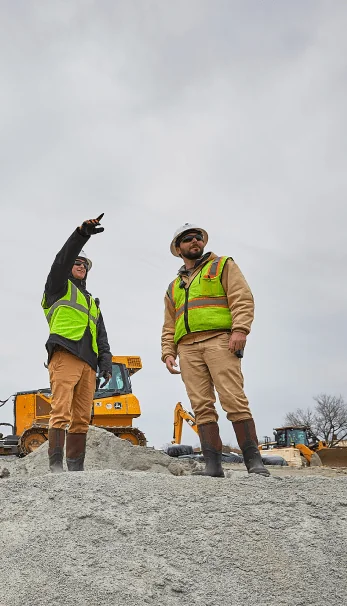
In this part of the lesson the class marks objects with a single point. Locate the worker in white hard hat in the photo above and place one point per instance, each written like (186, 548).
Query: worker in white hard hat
(77, 346)
(209, 310)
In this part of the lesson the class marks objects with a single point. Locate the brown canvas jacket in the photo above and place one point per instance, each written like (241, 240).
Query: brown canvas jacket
(240, 300)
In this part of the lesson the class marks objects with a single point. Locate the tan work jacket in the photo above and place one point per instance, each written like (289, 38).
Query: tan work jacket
(240, 300)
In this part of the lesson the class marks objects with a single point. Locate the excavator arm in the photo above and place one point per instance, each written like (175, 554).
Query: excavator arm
(180, 415)
(305, 451)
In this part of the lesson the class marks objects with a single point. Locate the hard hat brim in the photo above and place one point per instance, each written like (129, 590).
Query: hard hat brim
(173, 243)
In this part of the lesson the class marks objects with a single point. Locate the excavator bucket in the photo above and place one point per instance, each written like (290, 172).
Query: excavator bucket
(333, 457)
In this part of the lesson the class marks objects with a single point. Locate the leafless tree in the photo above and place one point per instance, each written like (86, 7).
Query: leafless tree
(301, 417)
(328, 420)
(331, 418)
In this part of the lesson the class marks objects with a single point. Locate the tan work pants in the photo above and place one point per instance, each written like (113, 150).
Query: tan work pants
(73, 386)
(208, 365)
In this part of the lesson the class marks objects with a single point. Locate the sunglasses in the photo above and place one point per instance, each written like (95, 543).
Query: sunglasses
(78, 262)
(190, 237)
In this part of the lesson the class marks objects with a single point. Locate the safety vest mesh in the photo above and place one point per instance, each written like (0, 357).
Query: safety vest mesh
(204, 305)
(70, 316)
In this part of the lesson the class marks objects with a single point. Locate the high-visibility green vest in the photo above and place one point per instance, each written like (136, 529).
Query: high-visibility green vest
(204, 305)
(70, 316)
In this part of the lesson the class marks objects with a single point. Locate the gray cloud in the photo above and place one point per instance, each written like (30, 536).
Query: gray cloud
(229, 114)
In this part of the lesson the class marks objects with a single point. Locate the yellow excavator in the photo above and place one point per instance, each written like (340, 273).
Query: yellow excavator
(114, 408)
(180, 415)
(311, 449)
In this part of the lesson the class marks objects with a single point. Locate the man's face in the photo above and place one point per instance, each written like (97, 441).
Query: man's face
(79, 269)
(191, 245)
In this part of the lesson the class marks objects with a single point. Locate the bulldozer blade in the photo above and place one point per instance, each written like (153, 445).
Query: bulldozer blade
(333, 457)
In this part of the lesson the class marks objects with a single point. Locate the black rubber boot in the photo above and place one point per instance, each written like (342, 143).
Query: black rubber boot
(56, 439)
(75, 451)
(211, 446)
(247, 439)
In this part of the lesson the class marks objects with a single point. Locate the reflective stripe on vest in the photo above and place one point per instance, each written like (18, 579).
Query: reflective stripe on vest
(170, 292)
(203, 302)
(214, 268)
(70, 303)
(204, 305)
(64, 321)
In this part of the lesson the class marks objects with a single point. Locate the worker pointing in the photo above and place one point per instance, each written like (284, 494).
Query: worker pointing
(77, 346)
(209, 309)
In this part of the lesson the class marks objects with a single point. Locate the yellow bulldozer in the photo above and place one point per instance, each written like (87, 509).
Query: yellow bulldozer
(114, 408)
(299, 443)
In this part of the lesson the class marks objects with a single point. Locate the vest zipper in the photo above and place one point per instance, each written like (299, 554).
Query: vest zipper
(186, 300)
(186, 311)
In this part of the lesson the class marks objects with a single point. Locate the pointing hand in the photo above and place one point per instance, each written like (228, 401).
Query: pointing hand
(90, 227)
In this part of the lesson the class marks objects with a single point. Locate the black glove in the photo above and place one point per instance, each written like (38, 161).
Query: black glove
(89, 227)
(103, 374)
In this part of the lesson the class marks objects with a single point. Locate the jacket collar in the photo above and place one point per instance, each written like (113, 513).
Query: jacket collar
(81, 284)
(206, 257)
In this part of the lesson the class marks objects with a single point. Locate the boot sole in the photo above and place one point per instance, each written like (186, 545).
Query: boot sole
(208, 475)
(260, 473)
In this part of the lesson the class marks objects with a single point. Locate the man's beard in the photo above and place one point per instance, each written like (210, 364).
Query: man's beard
(194, 254)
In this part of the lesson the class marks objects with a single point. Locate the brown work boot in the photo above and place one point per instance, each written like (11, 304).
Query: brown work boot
(211, 446)
(56, 439)
(247, 439)
(75, 451)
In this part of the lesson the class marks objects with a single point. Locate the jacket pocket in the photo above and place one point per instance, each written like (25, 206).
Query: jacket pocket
(210, 287)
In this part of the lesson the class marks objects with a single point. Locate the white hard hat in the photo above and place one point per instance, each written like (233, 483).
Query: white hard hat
(83, 255)
(183, 228)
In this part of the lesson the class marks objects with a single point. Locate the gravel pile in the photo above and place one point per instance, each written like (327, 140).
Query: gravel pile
(104, 451)
(108, 537)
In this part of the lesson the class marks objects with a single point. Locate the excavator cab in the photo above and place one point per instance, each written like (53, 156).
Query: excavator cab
(294, 436)
(118, 384)
(291, 436)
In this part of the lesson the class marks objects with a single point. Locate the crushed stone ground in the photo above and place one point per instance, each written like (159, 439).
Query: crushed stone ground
(120, 535)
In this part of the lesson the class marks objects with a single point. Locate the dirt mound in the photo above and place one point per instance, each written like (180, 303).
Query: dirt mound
(104, 451)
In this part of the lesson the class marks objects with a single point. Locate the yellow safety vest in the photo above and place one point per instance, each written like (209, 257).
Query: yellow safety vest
(204, 304)
(70, 316)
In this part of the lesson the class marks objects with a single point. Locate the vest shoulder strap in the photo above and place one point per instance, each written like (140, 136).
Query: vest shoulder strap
(215, 266)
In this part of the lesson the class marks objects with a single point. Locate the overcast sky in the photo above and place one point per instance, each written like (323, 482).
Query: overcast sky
(226, 113)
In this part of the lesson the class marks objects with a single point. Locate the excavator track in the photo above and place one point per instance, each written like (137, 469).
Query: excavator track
(35, 436)
(134, 435)
(31, 439)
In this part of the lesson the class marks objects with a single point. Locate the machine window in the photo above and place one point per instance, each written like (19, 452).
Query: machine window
(117, 377)
(119, 382)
